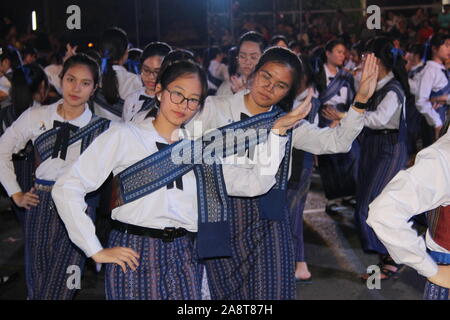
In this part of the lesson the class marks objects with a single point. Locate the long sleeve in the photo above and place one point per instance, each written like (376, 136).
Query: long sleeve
(12, 141)
(387, 115)
(423, 187)
(255, 179)
(424, 88)
(86, 175)
(310, 138)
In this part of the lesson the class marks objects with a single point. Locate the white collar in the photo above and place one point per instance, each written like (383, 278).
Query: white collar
(417, 66)
(435, 64)
(328, 72)
(81, 121)
(116, 67)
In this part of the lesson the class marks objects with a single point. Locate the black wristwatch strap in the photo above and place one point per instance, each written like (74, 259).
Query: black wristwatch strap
(360, 105)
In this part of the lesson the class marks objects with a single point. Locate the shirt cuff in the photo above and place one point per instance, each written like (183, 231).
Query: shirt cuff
(94, 248)
(13, 188)
(427, 267)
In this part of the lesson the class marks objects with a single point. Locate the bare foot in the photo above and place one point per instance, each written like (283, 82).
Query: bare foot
(301, 271)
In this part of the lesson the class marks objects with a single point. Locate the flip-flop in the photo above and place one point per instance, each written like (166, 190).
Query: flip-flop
(304, 281)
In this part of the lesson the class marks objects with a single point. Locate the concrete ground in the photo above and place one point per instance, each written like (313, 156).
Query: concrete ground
(333, 252)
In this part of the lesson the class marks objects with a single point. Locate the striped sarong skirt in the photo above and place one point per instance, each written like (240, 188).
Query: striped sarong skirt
(167, 270)
(262, 264)
(53, 264)
(296, 196)
(339, 172)
(433, 291)
(382, 157)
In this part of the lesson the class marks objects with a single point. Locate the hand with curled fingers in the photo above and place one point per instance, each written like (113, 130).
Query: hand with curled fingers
(119, 255)
(238, 83)
(26, 199)
(369, 79)
(331, 113)
(289, 120)
(441, 99)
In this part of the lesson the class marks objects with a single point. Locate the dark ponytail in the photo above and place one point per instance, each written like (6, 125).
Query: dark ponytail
(26, 82)
(113, 46)
(392, 59)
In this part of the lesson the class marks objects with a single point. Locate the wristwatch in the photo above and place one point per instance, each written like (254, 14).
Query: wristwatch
(360, 105)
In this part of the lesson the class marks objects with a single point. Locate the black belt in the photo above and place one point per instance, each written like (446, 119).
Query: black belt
(166, 235)
(385, 131)
(19, 157)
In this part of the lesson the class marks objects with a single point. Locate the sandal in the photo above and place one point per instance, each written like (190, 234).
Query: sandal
(386, 262)
(388, 269)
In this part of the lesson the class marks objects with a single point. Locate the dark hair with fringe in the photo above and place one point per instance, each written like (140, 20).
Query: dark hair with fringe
(82, 59)
(319, 58)
(11, 54)
(24, 87)
(113, 46)
(160, 49)
(289, 59)
(252, 36)
(174, 56)
(277, 38)
(436, 41)
(182, 68)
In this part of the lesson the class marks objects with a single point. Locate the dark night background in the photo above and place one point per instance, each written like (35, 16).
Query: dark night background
(183, 22)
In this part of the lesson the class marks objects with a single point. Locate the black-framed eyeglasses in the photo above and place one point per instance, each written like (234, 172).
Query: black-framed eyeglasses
(149, 72)
(178, 98)
(266, 81)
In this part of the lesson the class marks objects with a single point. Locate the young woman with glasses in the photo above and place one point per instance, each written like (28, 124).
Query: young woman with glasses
(143, 99)
(152, 252)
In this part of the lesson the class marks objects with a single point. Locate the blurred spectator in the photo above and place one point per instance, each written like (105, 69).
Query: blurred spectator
(424, 32)
(444, 17)
(418, 18)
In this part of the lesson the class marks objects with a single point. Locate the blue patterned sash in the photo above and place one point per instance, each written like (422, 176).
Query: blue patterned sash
(45, 143)
(159, 169)
(443, 91)
(342, 79)
(116, 109)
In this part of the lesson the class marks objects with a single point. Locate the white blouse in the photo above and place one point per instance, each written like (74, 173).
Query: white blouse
(431, 78)
(29, 126)
(125, 144)
(423, 187)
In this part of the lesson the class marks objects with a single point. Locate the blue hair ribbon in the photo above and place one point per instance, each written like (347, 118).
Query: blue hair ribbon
(133, 65)
(425, 50)
(27, 72)
(395, 53)
(105, 61)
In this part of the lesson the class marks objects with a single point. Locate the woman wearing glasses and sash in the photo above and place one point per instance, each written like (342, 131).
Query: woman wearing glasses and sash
(165, 215)
(262, 263)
